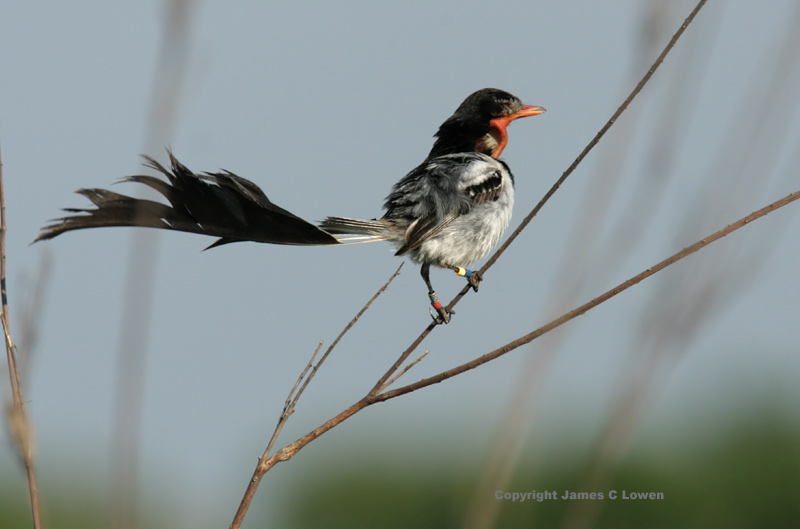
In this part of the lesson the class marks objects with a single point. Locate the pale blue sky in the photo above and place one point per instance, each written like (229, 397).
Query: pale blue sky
(325, 107)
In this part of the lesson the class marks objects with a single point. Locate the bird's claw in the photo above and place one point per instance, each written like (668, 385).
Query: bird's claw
(475, 280)
(442, 315)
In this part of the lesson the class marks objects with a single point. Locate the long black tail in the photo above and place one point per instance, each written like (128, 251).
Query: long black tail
(217, 204)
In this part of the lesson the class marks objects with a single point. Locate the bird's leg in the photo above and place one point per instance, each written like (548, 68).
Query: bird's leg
(443, 314)
(473, 277)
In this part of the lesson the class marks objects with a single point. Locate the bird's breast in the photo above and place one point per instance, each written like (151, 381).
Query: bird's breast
(472, 235)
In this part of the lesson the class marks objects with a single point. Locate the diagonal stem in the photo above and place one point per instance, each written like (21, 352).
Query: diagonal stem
(591, 304)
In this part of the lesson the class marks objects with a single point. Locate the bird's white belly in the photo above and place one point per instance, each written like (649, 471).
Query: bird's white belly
(470, 236)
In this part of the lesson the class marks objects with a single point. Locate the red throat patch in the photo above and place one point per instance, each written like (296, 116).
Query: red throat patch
(497, 126)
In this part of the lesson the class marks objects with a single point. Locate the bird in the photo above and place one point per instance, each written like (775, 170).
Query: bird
(449, 211)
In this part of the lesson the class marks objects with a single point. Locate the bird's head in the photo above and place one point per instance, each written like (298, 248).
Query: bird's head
(479, 123)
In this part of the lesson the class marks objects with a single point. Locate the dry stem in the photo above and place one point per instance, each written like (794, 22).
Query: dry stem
(17, 417)
(291, 402)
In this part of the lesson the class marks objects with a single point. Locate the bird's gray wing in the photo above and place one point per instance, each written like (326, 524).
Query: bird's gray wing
(439, 191)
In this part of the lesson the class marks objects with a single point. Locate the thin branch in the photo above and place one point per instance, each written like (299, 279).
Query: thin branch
(291, 400)
(404, 371)
(403, 357)
(290, 404)
(356, 318)
(17, 417)
(591, 304)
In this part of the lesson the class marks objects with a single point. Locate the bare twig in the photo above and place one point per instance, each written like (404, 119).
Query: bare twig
(291, 402)
(353, 321)
(404, 371)
(17, 417)
(591, 304)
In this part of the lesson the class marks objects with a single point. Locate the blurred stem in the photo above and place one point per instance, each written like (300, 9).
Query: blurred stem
(17, 417)
(140, 282)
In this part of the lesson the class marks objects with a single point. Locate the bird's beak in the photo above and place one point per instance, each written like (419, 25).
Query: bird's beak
(526, 111)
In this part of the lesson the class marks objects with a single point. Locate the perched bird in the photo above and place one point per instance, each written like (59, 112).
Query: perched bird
(449, 211)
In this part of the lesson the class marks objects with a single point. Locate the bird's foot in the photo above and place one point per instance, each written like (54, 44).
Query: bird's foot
(442, 315)
(473, 278)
